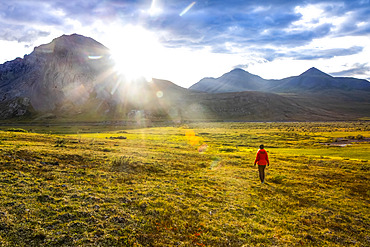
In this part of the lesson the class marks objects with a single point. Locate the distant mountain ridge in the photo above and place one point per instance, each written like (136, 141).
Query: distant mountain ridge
(312, 80)
(236, 80)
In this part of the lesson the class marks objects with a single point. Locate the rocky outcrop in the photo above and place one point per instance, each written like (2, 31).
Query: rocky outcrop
(15, 107)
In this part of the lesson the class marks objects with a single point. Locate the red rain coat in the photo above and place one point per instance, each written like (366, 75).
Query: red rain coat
(262, 158)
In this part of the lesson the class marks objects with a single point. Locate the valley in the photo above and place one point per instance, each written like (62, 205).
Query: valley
(185, 185)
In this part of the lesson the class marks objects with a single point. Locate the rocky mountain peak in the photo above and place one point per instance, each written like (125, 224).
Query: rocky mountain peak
(75, 44)
(314, 72)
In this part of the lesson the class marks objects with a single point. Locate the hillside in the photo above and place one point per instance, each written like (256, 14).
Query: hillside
(341, 96)
(236, 80)
(260, 106)
(315, 81)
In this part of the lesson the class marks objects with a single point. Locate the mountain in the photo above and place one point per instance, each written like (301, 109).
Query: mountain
(339, 97)
(236, 80)
(59, 76)
(313, 80)
(70, 76)
(74, 78)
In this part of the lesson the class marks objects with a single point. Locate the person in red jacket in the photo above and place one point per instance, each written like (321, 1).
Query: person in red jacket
(262, 160)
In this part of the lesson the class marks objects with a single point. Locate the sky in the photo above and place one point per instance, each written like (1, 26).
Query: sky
(185, 41)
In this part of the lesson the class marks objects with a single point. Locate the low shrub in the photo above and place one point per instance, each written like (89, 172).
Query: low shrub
(124, 164)
(278, 179)
(17, 130)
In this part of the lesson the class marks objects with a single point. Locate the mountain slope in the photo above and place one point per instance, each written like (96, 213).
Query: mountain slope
(338, 97)
(259, 106)
(236, 80)
(314, 80)
(56, 76)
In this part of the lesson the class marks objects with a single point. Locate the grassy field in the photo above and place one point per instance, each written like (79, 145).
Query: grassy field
(190, 185)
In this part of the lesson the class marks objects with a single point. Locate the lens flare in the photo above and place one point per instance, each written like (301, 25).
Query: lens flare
(187, 8)
(94, 57)
(154, 8)
(159, 94)
(215, 163)
(192, 138)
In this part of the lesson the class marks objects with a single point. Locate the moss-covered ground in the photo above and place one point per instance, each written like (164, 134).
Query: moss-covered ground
(190, 185)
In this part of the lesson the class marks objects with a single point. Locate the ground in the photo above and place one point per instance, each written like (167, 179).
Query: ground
(186, 185)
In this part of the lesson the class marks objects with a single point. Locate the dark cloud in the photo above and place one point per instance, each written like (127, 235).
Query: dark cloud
(86, 12)
(246, 23)
(314, 54)
(280, 37)
(222, 22)
(355, 69)
(20, 33)
(28, 12)
(358, 24)
(206, 23)
(242, 23)
(19, 20)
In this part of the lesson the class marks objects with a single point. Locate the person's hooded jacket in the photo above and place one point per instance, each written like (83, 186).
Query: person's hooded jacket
(262, 158)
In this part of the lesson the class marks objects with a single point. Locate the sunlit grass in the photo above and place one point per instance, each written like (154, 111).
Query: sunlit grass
(157, 188)
(356, 152)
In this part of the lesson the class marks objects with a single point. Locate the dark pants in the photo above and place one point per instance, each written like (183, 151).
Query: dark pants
(261, 170)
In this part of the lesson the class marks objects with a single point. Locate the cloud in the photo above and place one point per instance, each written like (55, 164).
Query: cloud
(354, 16)
(207, 23)
(29, 12)
(24, 22)
(20, 34)
(220, 22)
(354, 70)
(313, 54)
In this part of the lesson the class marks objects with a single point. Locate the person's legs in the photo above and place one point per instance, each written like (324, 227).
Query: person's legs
(261, 170)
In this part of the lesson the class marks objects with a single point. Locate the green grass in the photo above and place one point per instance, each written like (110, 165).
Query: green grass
(191, 185)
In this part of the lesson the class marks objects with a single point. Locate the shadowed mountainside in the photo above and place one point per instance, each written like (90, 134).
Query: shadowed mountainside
(236, 80)
(341, 96)
(313, 80)
(56, 77)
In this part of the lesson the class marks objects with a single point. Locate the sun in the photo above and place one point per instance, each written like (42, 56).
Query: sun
(134, 50)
